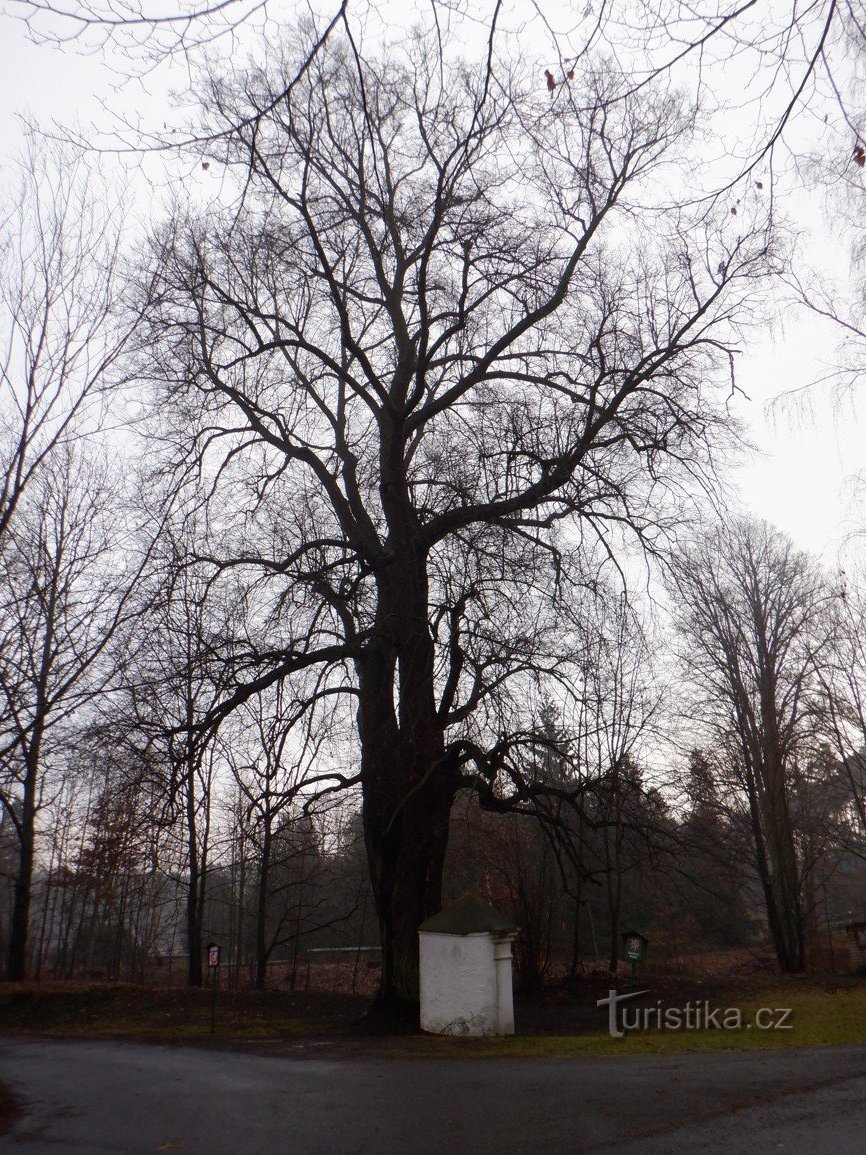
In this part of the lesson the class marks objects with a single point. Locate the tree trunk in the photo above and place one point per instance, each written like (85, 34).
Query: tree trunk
(576, 953)
(407, 833)
(197, 835)
(773, 798)
(777, 869)
(195, 973)
(241, 904)
(790, 947)
(613, 862)
(262, 951)
(408, 785)
(19, 927)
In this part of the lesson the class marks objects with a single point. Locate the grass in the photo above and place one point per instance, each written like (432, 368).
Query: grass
(823, 1013)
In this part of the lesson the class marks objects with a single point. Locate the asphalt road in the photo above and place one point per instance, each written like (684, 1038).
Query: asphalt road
(122, 1097)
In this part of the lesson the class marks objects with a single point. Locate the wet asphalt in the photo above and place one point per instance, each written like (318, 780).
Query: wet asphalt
(99, 1097)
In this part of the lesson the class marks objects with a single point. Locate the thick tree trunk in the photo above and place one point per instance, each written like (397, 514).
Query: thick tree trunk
(785, 926)
(790, 945)
(773, 798)
(407, 835)
(197, 835)
(408, 784)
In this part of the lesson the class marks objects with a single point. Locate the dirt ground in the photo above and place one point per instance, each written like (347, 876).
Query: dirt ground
(124, 1009)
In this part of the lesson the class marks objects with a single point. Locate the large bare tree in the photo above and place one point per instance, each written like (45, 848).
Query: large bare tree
(449, 336)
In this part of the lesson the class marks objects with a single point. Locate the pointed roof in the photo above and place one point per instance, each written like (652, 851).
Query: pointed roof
(469, 915)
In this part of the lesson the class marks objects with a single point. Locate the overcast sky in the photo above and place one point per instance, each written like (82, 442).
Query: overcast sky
(804, 477)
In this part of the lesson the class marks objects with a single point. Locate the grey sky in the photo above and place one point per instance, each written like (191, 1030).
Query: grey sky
(804, 478)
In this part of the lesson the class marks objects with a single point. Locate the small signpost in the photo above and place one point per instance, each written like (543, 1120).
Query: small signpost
(213, 962)
(634, 947)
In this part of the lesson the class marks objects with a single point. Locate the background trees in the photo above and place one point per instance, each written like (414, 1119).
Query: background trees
(60, 336)
(61, 603)
(274, 761)
(61, 344)
(753, 611)
(181, 667)
(843, 702)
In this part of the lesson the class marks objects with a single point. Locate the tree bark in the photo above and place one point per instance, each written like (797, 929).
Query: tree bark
(408, 785)
(19, 927)
(20, 921)
(779, 881)
(262, 950)
(195, 972)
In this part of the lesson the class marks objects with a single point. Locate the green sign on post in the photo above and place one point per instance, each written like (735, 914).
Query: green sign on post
(634, 947)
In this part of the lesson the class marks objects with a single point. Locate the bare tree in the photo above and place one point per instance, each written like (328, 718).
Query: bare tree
(600, 822)
(617, 707)
(753, 611)
(62, 341)
(433, 335)
(61, 337)
(62, 599)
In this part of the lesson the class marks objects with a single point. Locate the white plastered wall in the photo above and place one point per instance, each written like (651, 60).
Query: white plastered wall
(460, 981)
